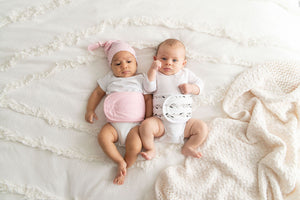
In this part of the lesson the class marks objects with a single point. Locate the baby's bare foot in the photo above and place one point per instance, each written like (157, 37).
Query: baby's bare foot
(148, 155)
(120, 177)
(189, 151)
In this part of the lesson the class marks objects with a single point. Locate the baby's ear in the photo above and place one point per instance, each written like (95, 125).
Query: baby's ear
(184, 62)
(154, 58)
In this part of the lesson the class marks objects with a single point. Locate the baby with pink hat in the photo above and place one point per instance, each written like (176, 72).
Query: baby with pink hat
(125, 105)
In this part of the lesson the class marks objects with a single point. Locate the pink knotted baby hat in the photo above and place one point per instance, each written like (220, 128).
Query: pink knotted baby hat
(112, 47)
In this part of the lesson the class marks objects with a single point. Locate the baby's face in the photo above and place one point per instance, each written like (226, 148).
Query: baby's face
(124, 64)
(172, 59)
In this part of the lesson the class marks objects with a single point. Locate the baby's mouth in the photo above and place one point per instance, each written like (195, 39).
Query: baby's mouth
(167, 69)
(126, 72)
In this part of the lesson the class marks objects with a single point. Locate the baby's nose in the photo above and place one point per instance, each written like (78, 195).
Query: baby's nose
(124, 65)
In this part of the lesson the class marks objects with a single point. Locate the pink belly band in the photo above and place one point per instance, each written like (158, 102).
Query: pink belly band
(124, 107)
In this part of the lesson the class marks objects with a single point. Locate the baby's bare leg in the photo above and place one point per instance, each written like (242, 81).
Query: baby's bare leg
(196, 131)
(150, 128)
(133, 146)
(106, 138)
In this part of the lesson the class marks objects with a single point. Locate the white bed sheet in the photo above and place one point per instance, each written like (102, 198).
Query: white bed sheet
(47, 149)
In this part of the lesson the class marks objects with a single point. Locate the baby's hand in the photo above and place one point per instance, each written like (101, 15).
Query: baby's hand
(156, 65)
(90, 116)
(186, 88)
(153, 69)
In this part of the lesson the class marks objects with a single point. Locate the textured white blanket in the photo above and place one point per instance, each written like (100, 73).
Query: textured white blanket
(252, 154)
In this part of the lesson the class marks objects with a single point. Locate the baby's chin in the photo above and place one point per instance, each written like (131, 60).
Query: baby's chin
(125, 74)
(167, 71)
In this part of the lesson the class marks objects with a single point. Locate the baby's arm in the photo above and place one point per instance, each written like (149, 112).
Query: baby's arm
(153, 70)
(187, 88)
(93, 102)
(148, 104)
(149, 83)
(194, 85)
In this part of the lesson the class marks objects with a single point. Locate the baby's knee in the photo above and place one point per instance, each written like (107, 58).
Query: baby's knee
(203, 129)
(107, 134)
(203, 125)
(146, 124)
(198, 126)
(133, 141)
(133, 148)
(149, 125)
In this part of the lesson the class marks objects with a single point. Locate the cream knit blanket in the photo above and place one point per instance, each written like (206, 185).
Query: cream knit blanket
(252, 154)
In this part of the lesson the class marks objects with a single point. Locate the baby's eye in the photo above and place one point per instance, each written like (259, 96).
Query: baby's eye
(164, 59)
(175, 60)
(117, 64)
(129, 61)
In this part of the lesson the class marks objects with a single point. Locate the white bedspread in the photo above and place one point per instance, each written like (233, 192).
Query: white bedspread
(48, 151)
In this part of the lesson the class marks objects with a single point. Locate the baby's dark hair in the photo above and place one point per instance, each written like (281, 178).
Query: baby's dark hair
(170, 42)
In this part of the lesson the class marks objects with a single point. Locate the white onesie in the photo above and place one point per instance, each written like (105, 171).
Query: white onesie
(113, 85)
(173, 108)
